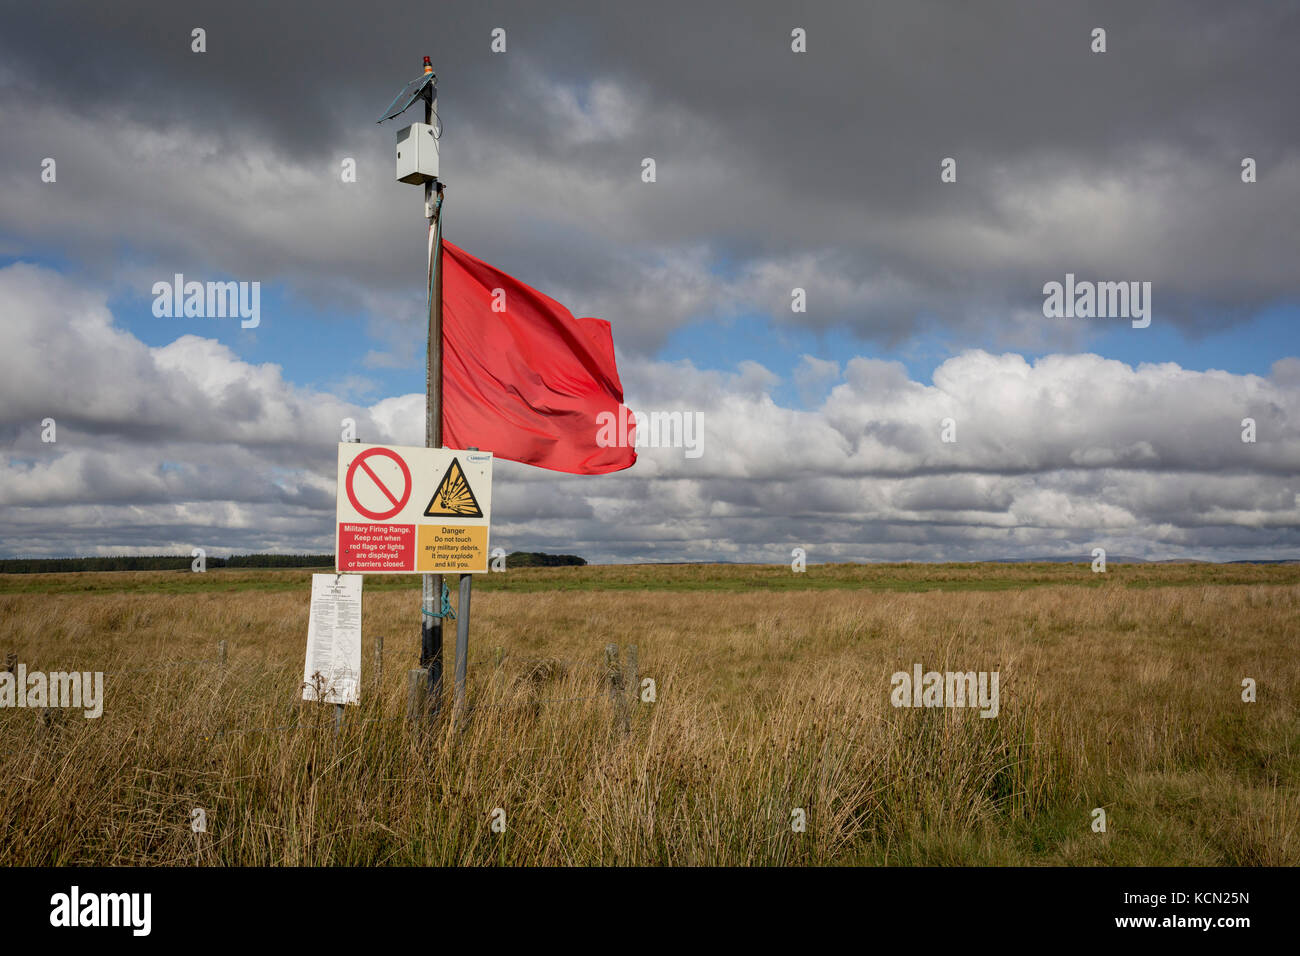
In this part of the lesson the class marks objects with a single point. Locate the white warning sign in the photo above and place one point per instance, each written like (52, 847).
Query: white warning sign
(403, 510)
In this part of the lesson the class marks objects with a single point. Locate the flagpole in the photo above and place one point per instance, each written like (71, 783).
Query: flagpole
(431, 604)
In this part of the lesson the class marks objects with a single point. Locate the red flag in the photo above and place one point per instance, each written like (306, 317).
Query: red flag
(530, 383)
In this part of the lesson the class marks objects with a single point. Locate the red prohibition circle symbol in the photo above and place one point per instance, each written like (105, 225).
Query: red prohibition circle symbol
(360, 462)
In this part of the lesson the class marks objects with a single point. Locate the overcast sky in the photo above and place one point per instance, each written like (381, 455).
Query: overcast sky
(775, 170)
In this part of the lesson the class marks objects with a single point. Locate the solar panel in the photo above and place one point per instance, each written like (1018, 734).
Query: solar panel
(410, 93)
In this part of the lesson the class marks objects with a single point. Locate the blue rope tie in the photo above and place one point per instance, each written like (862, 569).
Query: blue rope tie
(446, 611)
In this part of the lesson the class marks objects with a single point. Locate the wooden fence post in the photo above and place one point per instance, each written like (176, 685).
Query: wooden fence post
(633, 686)
(221, 654)
(614, 674)
(417, 692)
(611, 670)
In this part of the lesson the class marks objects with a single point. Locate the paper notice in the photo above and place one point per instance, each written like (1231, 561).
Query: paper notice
(333, 670)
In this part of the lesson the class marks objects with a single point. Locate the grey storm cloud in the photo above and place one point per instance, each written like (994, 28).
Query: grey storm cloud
(775, 170)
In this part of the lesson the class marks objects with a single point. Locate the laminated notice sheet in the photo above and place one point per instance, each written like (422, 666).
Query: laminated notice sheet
(333, 670)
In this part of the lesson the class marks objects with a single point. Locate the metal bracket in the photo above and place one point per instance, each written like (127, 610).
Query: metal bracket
(431, 207)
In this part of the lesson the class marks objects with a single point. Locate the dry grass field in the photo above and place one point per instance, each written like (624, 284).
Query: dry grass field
(1120, 691)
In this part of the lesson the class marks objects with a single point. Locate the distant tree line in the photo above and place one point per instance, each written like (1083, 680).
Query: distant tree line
(161, 562)
(171, 562)
(537, 559)
(276, 561)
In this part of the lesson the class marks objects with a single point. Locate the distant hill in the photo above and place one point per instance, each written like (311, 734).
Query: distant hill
(1075, 559)
(1129, 559)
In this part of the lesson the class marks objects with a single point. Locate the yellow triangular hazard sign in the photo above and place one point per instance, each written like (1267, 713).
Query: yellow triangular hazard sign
(454, 497)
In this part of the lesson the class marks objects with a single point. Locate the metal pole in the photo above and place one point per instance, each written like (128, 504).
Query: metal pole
(462, 631)
(462, 638)
(430, 626)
